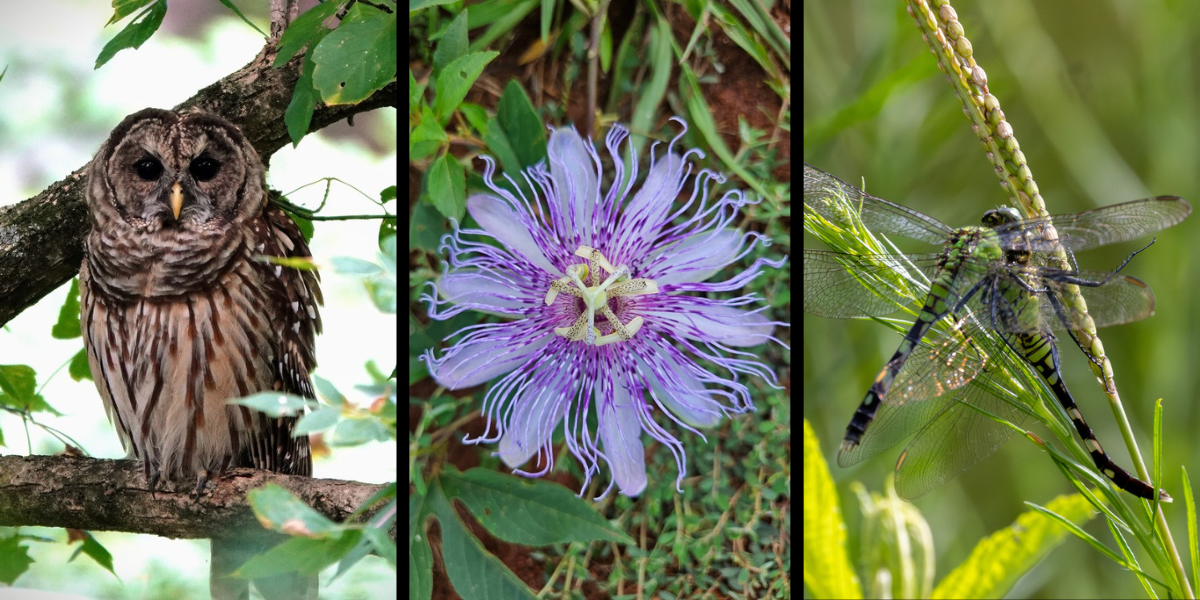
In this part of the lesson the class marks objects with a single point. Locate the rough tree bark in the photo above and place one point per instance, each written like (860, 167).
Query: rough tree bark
(112, 495)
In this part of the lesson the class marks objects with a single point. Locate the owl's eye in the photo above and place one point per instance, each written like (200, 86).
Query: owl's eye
(148, 169)
(204, 168)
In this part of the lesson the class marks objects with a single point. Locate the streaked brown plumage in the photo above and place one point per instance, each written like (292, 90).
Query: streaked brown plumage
(178, 316)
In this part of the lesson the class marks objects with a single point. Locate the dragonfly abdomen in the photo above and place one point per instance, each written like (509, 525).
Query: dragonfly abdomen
(1039, 350)
(942, 298)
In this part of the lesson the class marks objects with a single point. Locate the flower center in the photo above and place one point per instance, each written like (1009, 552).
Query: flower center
(595, 298)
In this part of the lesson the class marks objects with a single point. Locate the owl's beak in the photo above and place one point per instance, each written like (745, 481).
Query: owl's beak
(176, 199)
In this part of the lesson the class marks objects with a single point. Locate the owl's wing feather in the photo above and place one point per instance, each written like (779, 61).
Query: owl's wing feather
(297, 295)
(296, 292)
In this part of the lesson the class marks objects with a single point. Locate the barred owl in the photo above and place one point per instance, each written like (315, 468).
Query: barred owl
(178, 312)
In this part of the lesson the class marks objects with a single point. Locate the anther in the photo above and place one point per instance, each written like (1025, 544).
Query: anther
(595, 295)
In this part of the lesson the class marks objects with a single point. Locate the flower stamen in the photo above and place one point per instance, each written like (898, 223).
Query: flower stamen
(595, 296)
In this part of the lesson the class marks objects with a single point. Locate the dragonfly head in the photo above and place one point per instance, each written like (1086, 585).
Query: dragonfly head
(999, 216)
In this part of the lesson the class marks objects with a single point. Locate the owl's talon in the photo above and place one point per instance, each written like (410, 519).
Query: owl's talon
(154, 477)
(201, 479)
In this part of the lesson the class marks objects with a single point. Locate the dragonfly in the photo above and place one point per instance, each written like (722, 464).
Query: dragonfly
(992, 280)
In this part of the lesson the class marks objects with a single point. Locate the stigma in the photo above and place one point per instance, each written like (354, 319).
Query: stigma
(595, 296)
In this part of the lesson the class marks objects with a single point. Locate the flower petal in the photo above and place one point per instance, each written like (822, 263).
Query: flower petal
(680, 391)
(621, 435)
(471, 285)
(535, 415)
(696, 258)
(722, 324)
(645, 214)
(476, 362)
(574, 174)
(497, 219)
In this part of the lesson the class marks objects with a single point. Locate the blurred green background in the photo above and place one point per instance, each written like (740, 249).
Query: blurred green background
(1102, 98)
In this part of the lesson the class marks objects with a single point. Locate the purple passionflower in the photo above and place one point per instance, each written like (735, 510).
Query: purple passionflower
(598, 285)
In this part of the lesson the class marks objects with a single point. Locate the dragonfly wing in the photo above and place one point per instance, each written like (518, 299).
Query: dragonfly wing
(836, 284)
(1105, 225)
(823, 191)
(1122, 299)
(944, 362)
(956, 438)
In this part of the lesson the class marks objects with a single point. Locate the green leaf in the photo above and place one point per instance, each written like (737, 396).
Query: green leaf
(387, 194)
(67, 326)
(446, 186)
(760, 21)
(79, 368)
(547, 17)
(454, 44)
(606, 46)
(999, 560)
(300, 263)
(355, 432)
(539, 512)
(14, 558)
(298, 115)
(415, 92)
(455, 81)
(348, 265)
(328, 391)
(473, 562)
(387, 253)
(475, 115)
(377, 375)
(387, 229)
(416, 370)
(237, 12)
(427, 138)
(504, 16)
(322, 418)
(277, 509)
(522, 125)
(307, 30)
(135, 33)
(383, 294)
(300, 554)
(702, 120)
(829, 572)
(742, 37)
(96, 551)
(500, 148)
(631, 55)
(357, 58)
(381, 543)
(652, 93)
(18, 388)
(275, 404)
(416, 5)
(124, 8)
(305, 226)
(425, 227)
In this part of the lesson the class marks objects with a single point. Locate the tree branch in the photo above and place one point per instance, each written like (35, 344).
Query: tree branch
(113, 495)
(41, 239)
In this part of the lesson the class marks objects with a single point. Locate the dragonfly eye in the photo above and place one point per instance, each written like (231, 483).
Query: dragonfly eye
(999, 216)
(595, 295)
